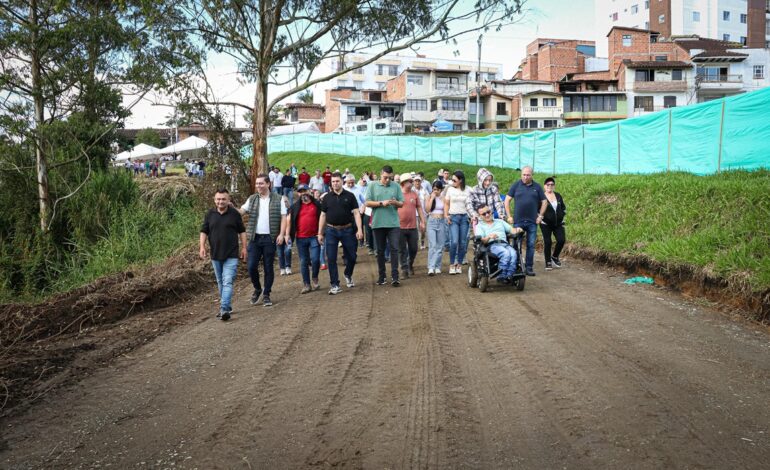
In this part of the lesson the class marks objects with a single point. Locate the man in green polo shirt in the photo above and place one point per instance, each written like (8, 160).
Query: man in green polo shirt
(385, 197)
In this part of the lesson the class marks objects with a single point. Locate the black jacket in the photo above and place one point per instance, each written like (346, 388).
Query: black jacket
(287, 181)
(295, 213)
(555, 218)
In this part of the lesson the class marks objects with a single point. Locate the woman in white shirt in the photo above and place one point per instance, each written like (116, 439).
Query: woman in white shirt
(457, 217)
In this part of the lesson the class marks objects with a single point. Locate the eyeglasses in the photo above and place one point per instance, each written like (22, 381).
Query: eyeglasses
(549, 184)
(485, 213)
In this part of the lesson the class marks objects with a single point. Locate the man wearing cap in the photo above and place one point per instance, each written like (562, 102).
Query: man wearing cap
(410, 219)
(340, 223)
(303, 229)
(385, 198)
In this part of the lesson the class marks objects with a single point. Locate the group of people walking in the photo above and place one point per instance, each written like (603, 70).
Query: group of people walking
(394, 216)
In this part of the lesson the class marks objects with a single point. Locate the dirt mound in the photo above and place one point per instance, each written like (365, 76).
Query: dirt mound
(39, 342)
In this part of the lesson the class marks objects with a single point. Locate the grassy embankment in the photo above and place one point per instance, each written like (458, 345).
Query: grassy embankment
(717, 225)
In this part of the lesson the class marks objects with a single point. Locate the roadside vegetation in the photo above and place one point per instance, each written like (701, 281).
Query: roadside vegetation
(719, 224)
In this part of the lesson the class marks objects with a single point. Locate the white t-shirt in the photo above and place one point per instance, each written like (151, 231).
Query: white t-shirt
(317, 183)
(263, 222)
(457, 198)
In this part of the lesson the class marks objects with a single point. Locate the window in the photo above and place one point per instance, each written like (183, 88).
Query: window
(549, 102)
(661, 19)
(744, 18)
(414, 79)
(584, 104)
(417, 105)
(634, 9)
(358, 84)
(452, 105)
(472, 107)
(501, 125)
(549, 123)
(626, 40)
(726, 15)
(491, 76)
(743, 40)
(614, 17)
(380, 126)
(643, 75)
(362, 127)
(696, 16)
(433, 105)
(759, 72)
(457, 127)
(387, 112)
(660, 58)
(643, 102)
(357, 67)
(726, 37)
(669, 101)
(501, 109)
(647, 4)
(393, 70)
(676, 74)
(448, 83)
(533, 102)
(380, 85)
(375, 96)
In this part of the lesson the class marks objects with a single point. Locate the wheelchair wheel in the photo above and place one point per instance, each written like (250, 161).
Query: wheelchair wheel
(483, 283)
(520, 284)
(473, 276)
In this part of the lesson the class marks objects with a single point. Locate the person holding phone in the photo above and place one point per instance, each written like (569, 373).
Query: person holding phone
(384, 198)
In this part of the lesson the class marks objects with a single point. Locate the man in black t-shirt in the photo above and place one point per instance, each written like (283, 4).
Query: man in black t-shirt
(223, 227)
(340, 223)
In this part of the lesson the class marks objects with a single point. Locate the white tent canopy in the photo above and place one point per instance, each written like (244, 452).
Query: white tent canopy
(188, 145)
(303, 128)
(141, 150)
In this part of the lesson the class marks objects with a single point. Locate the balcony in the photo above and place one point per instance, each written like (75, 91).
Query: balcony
(720, 82)
(451, 115)
(535, 112)
(472, 118)
(673, 85)
(502, 117)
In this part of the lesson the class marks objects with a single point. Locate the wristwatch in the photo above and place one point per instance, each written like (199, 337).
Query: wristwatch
(382, 204)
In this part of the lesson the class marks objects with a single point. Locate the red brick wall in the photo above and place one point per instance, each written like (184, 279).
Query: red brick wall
(641, 49)
(395, 88)
(515, 111)
(332, 119)
(304, 112)
(756, 24)
(556, 61)
(657, 8)
(529, 71)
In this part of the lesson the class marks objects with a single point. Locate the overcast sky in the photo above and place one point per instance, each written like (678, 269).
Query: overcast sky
(572, 19)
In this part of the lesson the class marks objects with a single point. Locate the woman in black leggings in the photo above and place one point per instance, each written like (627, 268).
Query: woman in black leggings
(553, 223)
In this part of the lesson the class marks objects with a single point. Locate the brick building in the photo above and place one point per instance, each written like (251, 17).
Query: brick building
(345, 105)
(296, 113)
(551, 59)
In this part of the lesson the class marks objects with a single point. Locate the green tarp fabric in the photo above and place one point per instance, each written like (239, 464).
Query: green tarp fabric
(726, 134)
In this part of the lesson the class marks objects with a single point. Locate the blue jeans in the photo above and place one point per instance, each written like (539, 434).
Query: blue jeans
(347, 236)
(278, 190)
(284, 255)
(289, 193)
(262, 248)
(531, 229)
(506, 257)
(225, 272)
(436, 233)
(458, 243)
(309, 253)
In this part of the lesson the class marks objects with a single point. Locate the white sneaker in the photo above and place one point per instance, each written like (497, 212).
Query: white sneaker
(349, 281)
(335, 290)
(458, 270)
(288, 271)
(437, 271)
(283, 272)
(431, 271)
(452, 270)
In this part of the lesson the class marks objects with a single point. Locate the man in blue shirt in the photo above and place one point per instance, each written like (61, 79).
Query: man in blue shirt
(528, 212)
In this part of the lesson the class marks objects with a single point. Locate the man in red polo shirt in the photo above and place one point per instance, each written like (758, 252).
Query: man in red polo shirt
(303, 229)
(304, 177)
(327, 176)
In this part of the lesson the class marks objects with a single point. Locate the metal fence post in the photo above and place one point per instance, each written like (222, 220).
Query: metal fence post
(670, 123)
(721, 133)
(502, 151)
(583, 140)
(554, 152)
(618, 148)
(520, 137)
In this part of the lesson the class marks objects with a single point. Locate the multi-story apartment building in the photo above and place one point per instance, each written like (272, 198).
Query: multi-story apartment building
(742, 21)
(374, 76)
(431, 94)
(539, 110)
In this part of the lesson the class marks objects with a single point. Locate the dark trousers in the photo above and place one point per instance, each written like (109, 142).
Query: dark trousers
(531, 230)
(346, 236)
(262, 247)
(561, 237)
(407, 247)
(387, 237)
(368, 235)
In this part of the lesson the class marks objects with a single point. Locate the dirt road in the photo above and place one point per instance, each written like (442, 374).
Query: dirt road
(577, 371)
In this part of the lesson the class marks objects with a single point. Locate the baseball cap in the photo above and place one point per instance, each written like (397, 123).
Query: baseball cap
(350, 178)
(405, 177)
(417, 177)
(303, 187)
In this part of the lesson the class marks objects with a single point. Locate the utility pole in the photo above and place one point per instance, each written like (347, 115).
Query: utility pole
(478, 85)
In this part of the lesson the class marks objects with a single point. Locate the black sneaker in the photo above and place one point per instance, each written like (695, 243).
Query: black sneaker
(405, 273)
(219, 315)
(380, 282)
(266, 302)
(556, 263)
(531, 272)
(548, 266)
(225, 316)
(255, 297)
(395, 283)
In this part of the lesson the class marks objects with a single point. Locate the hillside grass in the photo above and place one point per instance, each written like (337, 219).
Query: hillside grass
(719, 224)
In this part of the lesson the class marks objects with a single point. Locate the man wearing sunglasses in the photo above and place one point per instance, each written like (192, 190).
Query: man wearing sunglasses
(493, 232)
(384, 198)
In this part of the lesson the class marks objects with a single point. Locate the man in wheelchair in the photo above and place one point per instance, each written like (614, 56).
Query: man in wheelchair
(494, 233)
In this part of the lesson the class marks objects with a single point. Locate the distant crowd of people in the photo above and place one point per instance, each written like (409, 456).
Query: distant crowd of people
(392, 215)
(148, 168)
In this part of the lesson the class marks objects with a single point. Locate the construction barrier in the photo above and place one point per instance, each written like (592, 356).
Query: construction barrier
(705, 138)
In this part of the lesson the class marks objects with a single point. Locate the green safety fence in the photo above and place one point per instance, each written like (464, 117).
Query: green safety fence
(705, 138)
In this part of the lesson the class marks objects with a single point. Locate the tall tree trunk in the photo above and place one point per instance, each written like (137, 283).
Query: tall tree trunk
(259, 132)
(37, 91)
